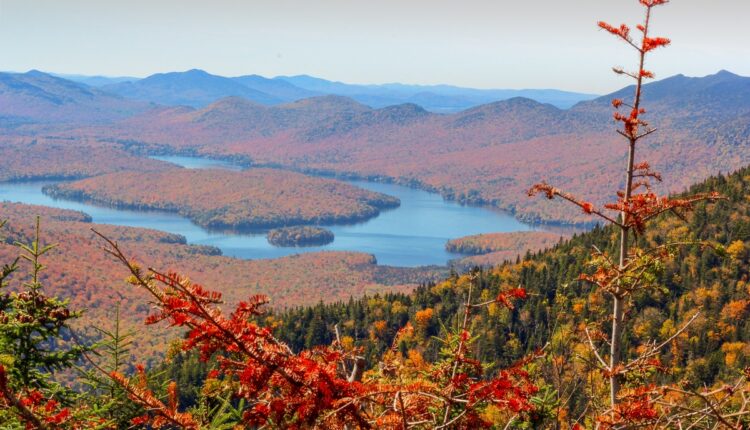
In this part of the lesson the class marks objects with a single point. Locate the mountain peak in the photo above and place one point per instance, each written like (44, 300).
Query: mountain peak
(36, 73)
(725, 73)
(196, 72)
(194, 87)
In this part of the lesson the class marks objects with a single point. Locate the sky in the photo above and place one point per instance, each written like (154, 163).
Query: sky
(473, 43)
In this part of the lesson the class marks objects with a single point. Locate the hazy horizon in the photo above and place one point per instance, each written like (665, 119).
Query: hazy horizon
(475, 44)
(64, 75)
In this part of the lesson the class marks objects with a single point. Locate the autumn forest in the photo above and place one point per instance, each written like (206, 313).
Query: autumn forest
(195, 251)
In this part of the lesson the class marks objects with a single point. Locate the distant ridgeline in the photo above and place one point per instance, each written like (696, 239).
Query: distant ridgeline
(696, 279)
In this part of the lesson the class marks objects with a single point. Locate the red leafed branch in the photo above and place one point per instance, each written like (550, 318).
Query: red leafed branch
(159, 414)
(278, 383)
(638, 209)
(35, 410)
(551, 192)
(643, 207)
(637, 409)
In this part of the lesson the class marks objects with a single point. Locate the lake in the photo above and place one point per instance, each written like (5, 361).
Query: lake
(413, 234)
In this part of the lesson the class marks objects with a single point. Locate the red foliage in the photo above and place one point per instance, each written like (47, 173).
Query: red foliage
(292, 390)
(623, 31)
(651, 3)
(505, 298)
(166, 415)
(637, 408)
(39, 412)
(298, 385)
(491, 249)
(651, 43)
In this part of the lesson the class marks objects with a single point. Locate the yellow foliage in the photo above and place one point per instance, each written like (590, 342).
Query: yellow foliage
(492, 309)
(583, 351)
(442, 286)
(347, 343)
(679, 233)
(513, 345)
(741, 285)
(378, 329)
(667, 329)
(561, 337)
(596, 299)
(704, 296)
(732, 350)
(736, 249)
(398, 308)
(495, 415)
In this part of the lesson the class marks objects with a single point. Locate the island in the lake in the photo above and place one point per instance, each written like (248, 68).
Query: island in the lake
(300, 236)
(255, 199)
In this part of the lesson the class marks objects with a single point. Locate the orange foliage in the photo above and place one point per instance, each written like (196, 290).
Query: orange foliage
(256, 198)
(735, 309)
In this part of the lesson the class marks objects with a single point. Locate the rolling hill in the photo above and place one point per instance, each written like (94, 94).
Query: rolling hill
(489, 154)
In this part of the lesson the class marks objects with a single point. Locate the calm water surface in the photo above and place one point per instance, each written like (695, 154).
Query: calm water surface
(412, 235)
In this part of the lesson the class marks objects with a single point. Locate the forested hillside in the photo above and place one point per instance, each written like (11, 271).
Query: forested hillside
(696, 279)
(36, 97)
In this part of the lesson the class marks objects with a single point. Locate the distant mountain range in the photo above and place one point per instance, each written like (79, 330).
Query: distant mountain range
(489, 153)
(39, 97)
(197, 88)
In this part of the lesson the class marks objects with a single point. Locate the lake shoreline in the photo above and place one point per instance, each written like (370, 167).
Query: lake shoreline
(412, 235)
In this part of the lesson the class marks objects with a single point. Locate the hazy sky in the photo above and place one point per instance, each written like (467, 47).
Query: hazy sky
(477, 43)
